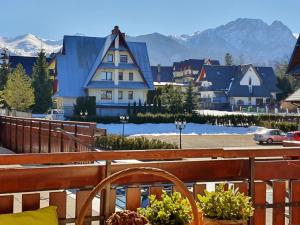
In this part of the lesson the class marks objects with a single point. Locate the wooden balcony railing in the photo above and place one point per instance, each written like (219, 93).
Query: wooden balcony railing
(27, 135)
(272, 181)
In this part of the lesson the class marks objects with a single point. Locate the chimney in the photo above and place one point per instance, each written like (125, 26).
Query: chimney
(158, 72)
(116, 31)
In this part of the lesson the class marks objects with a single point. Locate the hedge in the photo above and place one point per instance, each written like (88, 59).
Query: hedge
(284, 126)
(116, 142)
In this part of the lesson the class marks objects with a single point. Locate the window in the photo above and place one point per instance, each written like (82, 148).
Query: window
(120, 75)
(120, 95)
(123, 59)
(106, 95)
(130, 95)
(130, 76)
(110, 58)
(106, 75)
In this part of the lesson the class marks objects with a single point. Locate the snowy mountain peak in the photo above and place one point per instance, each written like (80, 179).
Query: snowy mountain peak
(248, 40)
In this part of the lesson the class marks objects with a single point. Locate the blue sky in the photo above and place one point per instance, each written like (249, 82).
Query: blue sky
(52, 19)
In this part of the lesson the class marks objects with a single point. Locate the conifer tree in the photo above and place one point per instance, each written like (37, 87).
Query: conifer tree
(18, 92)
(42, 84)
(172, 99)
(190, 99)
(4, 68)
(129, 109)
(228, 59)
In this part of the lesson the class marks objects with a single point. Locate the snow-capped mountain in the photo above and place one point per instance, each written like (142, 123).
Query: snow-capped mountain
(29, 45)
(248, 40)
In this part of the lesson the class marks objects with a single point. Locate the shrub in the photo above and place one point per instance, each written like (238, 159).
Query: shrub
(168, 211)
(225, 205)
(284, 126)
(117, 142)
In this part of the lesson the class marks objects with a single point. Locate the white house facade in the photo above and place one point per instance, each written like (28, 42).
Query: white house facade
(113, 70)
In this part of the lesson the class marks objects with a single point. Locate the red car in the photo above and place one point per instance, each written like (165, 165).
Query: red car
(293, 136)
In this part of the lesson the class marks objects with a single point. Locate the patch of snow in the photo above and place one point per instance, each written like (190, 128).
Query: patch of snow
(170, 129)
(296, 35)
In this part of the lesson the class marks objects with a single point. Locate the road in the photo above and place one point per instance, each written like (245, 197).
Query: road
(212, 141)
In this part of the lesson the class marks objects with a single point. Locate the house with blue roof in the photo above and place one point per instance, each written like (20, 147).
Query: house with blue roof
(223, 87)
(188, 70)
(115, 71)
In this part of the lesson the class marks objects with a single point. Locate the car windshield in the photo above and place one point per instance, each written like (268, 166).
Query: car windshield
(290, 134)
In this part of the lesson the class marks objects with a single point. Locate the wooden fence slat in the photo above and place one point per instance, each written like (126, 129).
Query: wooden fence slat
(133, 198)
(59, 199)
(157, 191)
(198, 189)
(81, 197)
(278, 198)
(6, 204)
(30, 201)
(242, 186)
(259, 199)
(295, 197)
(112, 203)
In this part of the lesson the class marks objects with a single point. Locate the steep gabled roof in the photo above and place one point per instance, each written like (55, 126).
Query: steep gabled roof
(294, 64)
(219, 76)
(166, 73)
(81, 56)
(227, 78)
(194, 64)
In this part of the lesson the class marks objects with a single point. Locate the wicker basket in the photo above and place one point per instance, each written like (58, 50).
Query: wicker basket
(207, 221)
(180, 186)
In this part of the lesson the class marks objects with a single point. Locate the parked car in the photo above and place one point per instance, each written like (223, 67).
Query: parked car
(293, 136)
(55, 114)
(269, 136)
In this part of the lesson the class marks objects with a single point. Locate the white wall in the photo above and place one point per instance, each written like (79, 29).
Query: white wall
(137, 94)
(254, 78)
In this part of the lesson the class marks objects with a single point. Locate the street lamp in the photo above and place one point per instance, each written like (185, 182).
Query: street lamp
(180, 125)
(124, 119)
(84, 114)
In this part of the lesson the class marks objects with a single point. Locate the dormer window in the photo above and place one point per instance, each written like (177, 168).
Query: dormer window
(110, 58)
(123, 58)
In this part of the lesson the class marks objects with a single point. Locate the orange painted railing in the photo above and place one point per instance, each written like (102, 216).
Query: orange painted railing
(27, 135)
(272, 181)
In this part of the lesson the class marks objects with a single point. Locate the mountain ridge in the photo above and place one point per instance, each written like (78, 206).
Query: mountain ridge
(248, 40)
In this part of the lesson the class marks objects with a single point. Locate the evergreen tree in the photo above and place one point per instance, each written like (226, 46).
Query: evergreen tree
(140, 107)
(190, 99)
(129, 109)
(155, 105)
(145, 107)
(18, 92)
(172, 99)
(4, 68)
(228, 59)
(134, 109)
(287, 84)
(42, 84)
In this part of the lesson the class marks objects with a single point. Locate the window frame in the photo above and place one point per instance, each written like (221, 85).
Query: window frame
(120, 95)
(130, 95)
(124, 56)
(108, 57)
(106, 95)
(122, 74)
(106, 75)
(130, 76)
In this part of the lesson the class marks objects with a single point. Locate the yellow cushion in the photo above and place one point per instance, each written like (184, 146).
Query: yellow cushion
(43, 216)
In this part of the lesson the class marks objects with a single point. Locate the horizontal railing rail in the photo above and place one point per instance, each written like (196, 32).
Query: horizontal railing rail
(155, 154)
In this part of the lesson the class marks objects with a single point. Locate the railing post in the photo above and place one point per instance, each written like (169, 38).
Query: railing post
(251, 184)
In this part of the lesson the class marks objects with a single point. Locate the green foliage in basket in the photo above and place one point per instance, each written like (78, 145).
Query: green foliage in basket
(224, 204)
(170, 210)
